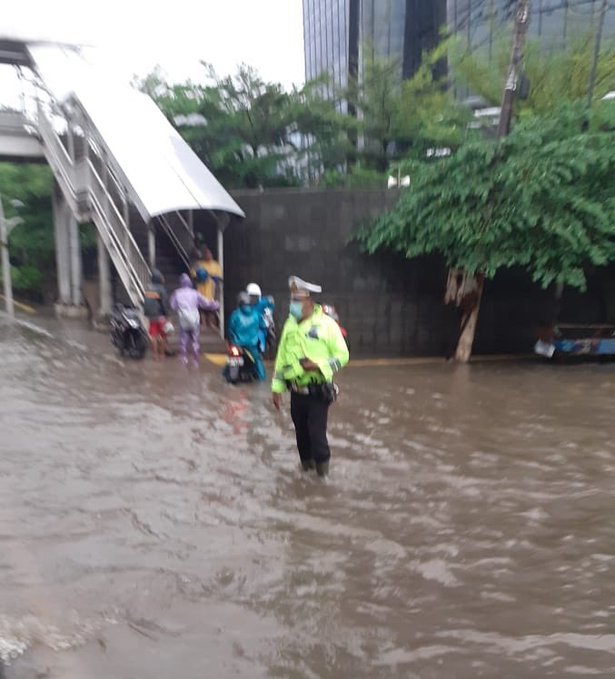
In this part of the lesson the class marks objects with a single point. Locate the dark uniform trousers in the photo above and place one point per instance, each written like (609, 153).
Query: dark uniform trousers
(309, 414)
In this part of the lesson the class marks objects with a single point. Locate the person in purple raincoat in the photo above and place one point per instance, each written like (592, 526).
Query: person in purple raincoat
(187, 302)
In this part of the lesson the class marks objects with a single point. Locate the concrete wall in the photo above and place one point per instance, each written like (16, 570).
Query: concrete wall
(390, 306)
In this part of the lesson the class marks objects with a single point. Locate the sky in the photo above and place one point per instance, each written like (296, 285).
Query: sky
(133, 36)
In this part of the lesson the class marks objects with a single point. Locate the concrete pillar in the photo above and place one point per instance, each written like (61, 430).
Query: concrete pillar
(220, 228)
(76, 267)
(104, 278)
(68, 259)
(60, 229)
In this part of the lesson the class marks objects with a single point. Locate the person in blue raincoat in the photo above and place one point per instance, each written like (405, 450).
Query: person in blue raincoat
(265, 307)
(244, 330)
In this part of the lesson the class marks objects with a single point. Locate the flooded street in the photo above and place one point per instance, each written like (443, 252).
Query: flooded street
(154, 522)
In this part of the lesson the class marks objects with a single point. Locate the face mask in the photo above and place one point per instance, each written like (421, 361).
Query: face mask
(296, 309)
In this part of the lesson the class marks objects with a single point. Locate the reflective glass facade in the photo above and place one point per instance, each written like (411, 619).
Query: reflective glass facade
(555, 22)
(382, 29)
(339, 34)
(327, 39)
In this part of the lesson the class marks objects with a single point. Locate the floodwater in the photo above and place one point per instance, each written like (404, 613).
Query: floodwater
(154, 522)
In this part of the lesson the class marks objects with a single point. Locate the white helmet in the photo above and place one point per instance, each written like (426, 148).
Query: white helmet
(254, 290)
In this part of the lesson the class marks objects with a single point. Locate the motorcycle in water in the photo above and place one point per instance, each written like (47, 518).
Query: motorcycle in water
(330, 310)
(239, 365)
(127, 332)
(271, 337)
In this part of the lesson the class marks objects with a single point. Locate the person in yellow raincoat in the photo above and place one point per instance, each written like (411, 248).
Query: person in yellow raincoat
(207, 276)
(311, 350)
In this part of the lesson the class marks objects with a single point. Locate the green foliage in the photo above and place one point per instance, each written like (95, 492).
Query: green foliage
(355, 178)
(429, 116)
(327, 133)
(543, 198)
(28, 279)
(554, 75)
(252, 133)
(31, 242)
(377, 98)
(240, 126)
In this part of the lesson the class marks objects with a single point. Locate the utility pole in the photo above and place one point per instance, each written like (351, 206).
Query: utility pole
(6, 226)
(492, 15)
(598, 43)
(522, 20)
(464, 290)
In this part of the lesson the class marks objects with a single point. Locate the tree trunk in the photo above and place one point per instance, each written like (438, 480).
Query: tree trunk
(470, 308)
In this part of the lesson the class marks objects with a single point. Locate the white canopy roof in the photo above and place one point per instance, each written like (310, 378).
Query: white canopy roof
(163, 171)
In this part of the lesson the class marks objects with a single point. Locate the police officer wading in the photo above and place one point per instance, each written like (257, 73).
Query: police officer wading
(311, 350)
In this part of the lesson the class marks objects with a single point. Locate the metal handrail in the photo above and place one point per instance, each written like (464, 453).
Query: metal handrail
(174, 238)
(185, 223)
(138, 269)
(129, 261)
(185, 235)
(76, 176)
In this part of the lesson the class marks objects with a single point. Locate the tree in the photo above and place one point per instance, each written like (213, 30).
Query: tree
(325, 131)
(542, 199)
(429, 116)
(252, 133)
(376, 96)
(31, 242)
(240, 126)
(398, 119)
(553, 76)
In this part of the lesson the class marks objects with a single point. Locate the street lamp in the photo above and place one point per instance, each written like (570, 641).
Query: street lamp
(6, 226)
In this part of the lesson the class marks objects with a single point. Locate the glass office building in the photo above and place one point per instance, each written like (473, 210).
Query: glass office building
(555, 22)
(339, 35)
(330, 36)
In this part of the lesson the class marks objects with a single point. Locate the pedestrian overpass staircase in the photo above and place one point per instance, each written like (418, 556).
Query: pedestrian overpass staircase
(116, 159)
(17, 142)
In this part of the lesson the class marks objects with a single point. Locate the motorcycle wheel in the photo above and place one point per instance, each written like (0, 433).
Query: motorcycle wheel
(271, 345)
(136, 345)
(246, 374)
(271, 350)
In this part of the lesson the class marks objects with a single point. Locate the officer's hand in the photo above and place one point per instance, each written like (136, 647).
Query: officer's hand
(309, 366)
(277, 401)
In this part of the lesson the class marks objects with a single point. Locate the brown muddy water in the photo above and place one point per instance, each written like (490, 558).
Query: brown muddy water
(154, 522)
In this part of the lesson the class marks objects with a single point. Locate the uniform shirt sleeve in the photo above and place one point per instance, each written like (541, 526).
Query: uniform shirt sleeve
(287, 365)
(278, 383)
(338, 349)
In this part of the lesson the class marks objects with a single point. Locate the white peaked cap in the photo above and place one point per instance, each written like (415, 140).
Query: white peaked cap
(296, 284)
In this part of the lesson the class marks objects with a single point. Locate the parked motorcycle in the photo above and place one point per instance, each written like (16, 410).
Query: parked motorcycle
(239, 365)
(127, 332)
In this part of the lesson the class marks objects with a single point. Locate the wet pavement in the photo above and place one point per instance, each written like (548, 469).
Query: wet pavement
(154, 522)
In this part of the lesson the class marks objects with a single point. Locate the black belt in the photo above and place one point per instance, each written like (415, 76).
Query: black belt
(320, 390)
